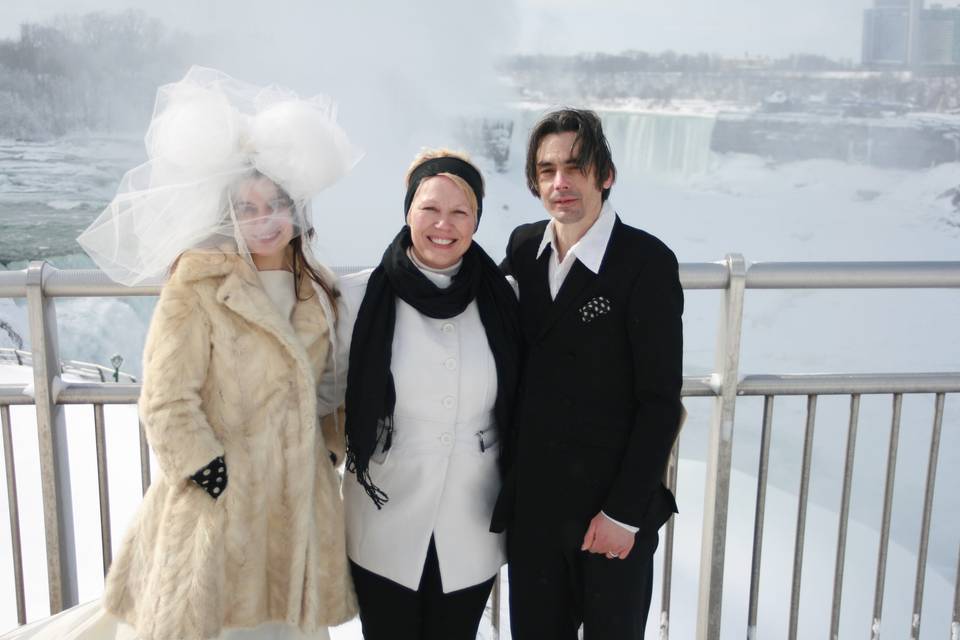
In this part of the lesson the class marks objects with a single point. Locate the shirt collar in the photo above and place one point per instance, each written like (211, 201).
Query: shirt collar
(593, 245)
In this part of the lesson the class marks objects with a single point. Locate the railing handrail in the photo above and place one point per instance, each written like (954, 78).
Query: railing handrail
(825, 384)
(945, 274)
(821, 384)
(854, 275)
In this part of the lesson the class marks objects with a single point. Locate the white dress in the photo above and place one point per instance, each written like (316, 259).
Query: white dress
(91, 622)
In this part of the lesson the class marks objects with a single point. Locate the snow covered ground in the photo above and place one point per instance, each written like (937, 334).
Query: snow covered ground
(813, 210)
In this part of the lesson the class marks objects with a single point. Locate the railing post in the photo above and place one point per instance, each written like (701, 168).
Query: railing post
(717, 489)
(106, 539)
(13, 505)
(670, 479)
(52, 438)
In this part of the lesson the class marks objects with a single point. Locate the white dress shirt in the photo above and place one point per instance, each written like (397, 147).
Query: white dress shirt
(589, 250)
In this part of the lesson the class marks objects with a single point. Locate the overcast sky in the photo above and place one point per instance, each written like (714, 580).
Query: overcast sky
(729, 27)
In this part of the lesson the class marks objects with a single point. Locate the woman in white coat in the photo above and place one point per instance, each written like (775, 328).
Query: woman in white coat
(241, 534)
(433, 370)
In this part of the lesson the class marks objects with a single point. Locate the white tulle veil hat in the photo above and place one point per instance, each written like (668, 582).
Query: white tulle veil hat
(208, 134)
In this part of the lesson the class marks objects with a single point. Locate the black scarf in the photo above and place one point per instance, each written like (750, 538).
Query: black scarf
(371, 395)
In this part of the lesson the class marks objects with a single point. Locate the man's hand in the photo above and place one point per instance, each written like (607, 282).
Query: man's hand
(605, 536)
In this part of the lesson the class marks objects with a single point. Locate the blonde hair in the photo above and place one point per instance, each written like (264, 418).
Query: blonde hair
(429, 154)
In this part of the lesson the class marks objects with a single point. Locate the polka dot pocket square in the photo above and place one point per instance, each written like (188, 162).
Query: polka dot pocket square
(594, 308)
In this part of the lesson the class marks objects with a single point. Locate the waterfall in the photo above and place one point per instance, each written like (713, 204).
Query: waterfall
(643, 143)
(659, 143)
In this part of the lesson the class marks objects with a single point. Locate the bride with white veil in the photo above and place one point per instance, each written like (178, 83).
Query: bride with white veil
(241, 534)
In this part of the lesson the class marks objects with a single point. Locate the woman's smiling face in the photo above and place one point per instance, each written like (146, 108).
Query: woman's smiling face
(442, 222)
(265, 215)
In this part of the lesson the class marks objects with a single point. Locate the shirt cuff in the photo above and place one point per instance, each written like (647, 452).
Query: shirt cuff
(628, 527)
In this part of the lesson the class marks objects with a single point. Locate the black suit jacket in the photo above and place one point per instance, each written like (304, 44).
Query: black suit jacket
(599, 404)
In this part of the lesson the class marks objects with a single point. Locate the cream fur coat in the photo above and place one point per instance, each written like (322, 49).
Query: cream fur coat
(224, 374)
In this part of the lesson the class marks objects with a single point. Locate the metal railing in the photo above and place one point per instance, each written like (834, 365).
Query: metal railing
(40, 284)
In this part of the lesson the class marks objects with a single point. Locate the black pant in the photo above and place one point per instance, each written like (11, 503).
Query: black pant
(554, 587)
(389, 611)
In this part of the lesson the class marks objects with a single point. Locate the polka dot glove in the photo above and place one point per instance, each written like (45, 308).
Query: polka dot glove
(213, 477)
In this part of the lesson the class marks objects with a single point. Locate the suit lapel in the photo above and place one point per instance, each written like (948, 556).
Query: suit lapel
(613, 252)
(572, 290)
(574, 285)
(539, 294)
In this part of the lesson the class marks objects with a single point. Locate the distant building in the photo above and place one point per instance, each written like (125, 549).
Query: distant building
(939, 37)
(902, 34)
(886, 34)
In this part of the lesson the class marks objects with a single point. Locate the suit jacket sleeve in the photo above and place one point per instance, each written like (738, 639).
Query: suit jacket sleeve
(176, 359)
(656, 340)
(506, 265)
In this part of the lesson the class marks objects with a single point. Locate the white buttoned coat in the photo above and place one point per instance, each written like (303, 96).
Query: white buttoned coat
(439, 479)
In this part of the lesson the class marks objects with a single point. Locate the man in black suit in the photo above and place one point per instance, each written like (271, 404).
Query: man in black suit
(599, 406)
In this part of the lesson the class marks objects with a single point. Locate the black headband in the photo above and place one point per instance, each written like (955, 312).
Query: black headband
(447, 164)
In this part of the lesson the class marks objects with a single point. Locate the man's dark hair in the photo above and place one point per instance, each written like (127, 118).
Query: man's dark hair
(592, 147)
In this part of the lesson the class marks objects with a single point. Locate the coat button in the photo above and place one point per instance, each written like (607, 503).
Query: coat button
(450, 363)
(448, 327)
(446, 438)
(448, 402)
